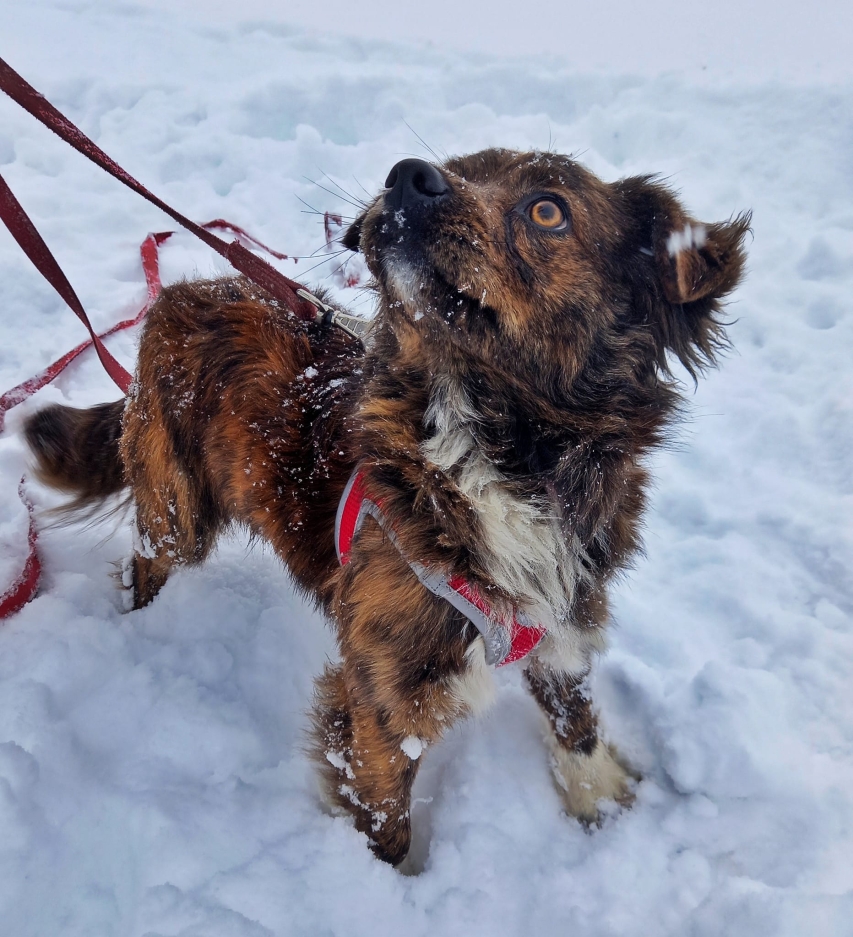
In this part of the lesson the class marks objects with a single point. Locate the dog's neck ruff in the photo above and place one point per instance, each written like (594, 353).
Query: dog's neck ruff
(506, 640)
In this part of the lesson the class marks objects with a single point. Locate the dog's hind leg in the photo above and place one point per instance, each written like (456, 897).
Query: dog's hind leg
(177, 517)
(176, 525)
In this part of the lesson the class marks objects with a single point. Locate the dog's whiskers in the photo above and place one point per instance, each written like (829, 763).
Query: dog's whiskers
(423, 142)
(325, 260)
(368, 194)
(322, 215)
(349, 201)
(309, 206)
(346, 192)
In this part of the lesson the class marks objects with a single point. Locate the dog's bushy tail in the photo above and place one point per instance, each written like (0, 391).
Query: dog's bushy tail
(77, 451)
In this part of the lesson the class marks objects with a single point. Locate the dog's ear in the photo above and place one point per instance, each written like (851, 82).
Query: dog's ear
(694, 266)
(698, 261)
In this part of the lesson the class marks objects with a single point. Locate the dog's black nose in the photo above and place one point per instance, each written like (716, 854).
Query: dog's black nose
(414, 182)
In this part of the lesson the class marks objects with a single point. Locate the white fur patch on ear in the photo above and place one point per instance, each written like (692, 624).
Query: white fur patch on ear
(692, 236)
(474, 688)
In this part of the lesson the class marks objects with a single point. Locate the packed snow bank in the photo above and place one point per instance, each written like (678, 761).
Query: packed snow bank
(785, 38)
(152, 777)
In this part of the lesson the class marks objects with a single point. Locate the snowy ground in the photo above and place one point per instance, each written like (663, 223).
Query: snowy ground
(152, 780)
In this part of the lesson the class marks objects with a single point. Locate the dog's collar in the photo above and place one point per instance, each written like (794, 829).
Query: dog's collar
(506, 641)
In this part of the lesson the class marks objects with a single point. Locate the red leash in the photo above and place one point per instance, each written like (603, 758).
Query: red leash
(240, 257)
(150, 254)
(24, 587)
(24, 232)
(287, 291)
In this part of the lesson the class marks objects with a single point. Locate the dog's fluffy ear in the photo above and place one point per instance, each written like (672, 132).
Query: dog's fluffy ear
(697, 261)
(694, 267)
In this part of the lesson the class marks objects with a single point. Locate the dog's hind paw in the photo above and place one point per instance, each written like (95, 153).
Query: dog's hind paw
(585, 780)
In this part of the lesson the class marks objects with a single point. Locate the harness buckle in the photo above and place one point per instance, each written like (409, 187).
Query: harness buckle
(353, 325)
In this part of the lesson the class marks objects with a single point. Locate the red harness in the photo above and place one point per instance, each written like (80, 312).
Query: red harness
(506, 641)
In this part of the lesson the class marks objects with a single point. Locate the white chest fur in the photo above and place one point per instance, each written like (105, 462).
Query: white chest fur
(523, 547)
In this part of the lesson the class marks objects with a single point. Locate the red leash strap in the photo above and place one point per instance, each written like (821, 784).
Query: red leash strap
(259, 271)
(244, 235)
(24, 232)
(149, 252)
(23, 588)
(151, 268)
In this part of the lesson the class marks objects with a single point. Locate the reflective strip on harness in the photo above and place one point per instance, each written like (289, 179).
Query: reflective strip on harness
(506, 642)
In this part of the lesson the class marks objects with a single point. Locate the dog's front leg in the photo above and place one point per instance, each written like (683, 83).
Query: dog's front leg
(586, 769)
(393, 695)
(367, 763)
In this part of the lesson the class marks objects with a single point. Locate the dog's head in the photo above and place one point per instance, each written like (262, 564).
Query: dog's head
(528, 258)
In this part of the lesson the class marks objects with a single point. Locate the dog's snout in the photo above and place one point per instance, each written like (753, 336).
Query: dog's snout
(414, 182)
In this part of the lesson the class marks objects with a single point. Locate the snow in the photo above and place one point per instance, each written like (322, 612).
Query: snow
(412, 746)
(783, 38)
(152, 773)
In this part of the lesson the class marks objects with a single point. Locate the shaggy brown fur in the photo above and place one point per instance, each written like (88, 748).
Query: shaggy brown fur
(527, 317)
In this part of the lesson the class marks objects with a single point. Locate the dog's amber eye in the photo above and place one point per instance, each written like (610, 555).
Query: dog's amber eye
(547, 214)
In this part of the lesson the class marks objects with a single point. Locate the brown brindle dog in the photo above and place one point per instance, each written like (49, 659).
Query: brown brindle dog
(517, 374)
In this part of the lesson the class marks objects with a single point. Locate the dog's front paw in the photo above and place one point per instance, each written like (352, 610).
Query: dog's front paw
(584, 780)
